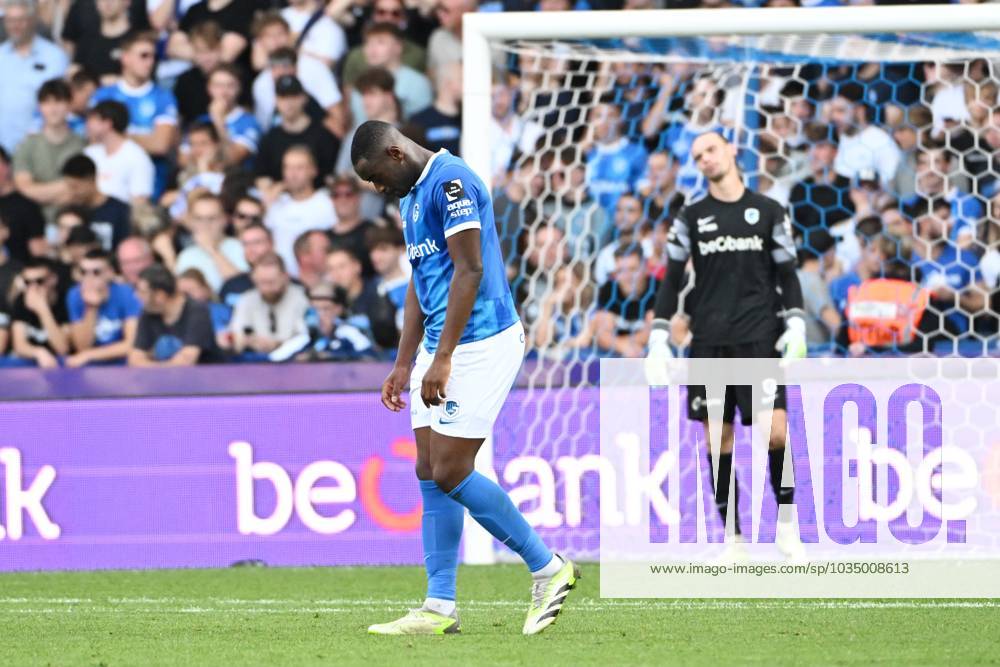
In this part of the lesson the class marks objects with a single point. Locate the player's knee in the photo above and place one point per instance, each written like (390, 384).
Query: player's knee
(424, 470)
(776, 441)
(449, 474)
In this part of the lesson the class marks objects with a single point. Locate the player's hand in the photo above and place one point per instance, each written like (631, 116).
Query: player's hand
(435, 381)
(393, 387)
(658, 358)
(792, 343)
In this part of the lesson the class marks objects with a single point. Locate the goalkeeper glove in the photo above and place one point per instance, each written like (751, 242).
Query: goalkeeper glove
(792, 343)
(658, 357)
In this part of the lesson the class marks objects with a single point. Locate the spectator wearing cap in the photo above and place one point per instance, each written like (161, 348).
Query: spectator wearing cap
(257, 242)
(237, 128)
(204, 171)
(270, 314)
(445, 44)
(816, 254)
(98, 52)
(863, 146)
(217, 256)
(331, 337)
(152, 110)
(25, 222)
(300, 207)
(40, 157)
(173, 330)
(191, 87)
(351, 229)
(442, 122)
(124, 170)
(383, 47)
(281, 60)
(39, 322)
(295, 128)
(103, 314)
(321, 37)
(234, 17)
(822, 199)
(388, 11)
(134, 255)
(27, 61)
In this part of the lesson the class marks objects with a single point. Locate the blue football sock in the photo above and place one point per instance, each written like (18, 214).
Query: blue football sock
(442, 532)
(493, 509)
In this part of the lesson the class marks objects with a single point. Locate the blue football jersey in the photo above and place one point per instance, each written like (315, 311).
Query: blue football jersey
(449, 198)
(147, 105)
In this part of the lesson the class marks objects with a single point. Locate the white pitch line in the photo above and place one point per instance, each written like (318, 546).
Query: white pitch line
(168, 604)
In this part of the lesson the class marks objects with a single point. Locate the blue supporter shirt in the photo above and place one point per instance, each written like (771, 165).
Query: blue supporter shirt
(241, 126)
(120, 305)
(449, 198)
(955, 268)
(148, 106)
(22, 76)
(613, 170)
(840, 287)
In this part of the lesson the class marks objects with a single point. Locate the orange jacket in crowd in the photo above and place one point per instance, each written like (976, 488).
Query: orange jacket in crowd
(884, 312)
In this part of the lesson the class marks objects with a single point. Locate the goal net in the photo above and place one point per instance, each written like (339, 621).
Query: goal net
(882, 147)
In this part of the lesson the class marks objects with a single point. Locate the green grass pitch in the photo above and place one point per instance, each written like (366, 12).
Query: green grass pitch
(318, 616)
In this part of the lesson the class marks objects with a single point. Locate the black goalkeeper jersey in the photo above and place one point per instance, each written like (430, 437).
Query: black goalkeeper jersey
(735, 248)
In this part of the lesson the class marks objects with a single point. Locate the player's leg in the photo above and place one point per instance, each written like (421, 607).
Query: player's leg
(441, 526)
(482, 375)
(723, 478)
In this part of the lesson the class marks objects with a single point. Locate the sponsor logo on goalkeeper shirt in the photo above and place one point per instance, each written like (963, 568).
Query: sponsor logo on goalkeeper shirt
(417, 250)
(731, 244)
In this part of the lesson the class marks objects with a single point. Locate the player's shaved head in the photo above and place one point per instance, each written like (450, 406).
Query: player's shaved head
(387, 159)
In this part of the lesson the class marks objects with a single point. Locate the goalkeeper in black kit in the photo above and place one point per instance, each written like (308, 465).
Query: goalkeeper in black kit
(741, 247)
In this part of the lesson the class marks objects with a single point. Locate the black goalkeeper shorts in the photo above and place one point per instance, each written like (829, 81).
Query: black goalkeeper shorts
(736, 396)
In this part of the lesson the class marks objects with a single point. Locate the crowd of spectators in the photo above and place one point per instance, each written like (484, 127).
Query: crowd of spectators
(176, 187)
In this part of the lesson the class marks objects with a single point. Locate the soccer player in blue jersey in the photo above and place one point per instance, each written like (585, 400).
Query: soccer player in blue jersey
(461, 324)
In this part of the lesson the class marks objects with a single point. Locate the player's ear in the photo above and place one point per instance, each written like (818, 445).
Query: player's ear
(394, 152)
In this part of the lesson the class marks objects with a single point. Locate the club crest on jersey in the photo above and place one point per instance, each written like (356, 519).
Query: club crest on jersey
(751, 215)
(453, 189)
(451, 408)
(416, 211)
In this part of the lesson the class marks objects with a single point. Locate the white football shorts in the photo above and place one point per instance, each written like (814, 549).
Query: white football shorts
(482, 374)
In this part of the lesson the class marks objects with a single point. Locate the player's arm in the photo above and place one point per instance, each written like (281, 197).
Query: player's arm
(678, 252)
(413, 328)
(793, 341)
(409, 340)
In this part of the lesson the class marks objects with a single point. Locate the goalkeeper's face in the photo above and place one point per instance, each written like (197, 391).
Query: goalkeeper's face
(714, 156)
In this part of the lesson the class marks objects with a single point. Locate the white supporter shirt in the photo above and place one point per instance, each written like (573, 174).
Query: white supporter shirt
(288, 219)
(196, 257)
(126, 174)
(325, 38)
(315, 77)
(872, 148)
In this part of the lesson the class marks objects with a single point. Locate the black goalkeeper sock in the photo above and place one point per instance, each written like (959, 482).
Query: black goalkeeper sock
(722, 489)
(783, 495)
